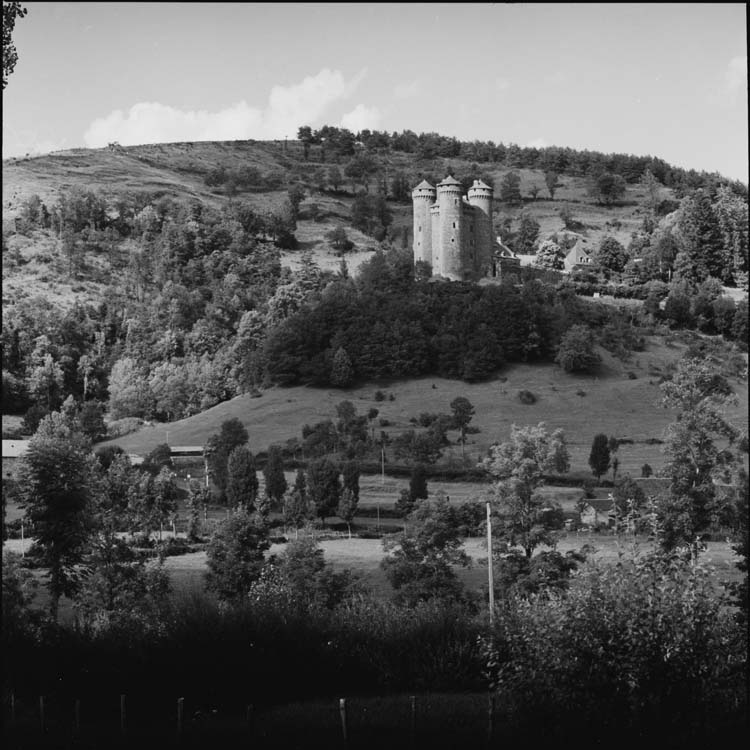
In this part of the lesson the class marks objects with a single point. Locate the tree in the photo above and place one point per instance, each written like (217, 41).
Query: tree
(519, 464)
(347, 507)
(45, 383)
(235, 555)
(91, 420)
(11, 11)
(420, 566)
(273, 472)
(418, 483)
(599, 458)
(611, 255)
(576, 351)
(606, 187)
(463, 411)
(231, 435)
(55, 479)
(510, 188)
(296, 510)
(342, 372)
(165, 494)
(526, 237)
(335, 177)
(119, 589)
(242, 478)
(339, 240)
(701, 243)
(550, 180)
(550, 255)
(695, 460)
(323, 487)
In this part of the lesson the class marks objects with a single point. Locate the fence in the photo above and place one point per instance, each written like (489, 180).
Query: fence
(401, 721)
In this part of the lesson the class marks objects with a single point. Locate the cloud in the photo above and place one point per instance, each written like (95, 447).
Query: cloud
(407, 90)
(536, 143)
(502, 84)
(288, 107)
(735, 78)
(361, 118)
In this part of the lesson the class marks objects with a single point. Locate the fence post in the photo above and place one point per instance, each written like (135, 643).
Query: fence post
(122, 713)
(41, 712)
(180, 708)
(342, 711)
(77, 716)
(413, 719)
(490, 715)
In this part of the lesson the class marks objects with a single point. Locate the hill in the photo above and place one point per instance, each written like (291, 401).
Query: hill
(611, 403)
(180, 170)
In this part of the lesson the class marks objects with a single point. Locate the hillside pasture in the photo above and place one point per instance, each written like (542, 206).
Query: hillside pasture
(611, 402)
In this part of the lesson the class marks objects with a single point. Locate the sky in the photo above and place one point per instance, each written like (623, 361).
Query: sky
(666, 80)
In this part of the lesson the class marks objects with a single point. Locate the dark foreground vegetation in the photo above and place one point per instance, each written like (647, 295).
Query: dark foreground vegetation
(648, 649)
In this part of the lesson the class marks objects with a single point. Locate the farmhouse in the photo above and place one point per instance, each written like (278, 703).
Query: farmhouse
(12, 451)
(577, 258)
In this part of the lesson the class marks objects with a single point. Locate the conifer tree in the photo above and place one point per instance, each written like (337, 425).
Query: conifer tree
(599, 456)
(242, 478)
(273, 472)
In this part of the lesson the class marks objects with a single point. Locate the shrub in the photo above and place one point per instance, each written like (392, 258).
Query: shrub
(379, 396)
(526, 397)
(646, 470)
(646, 646)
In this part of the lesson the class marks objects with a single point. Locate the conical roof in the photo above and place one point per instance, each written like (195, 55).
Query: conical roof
(424, 185)
(480, 184)
(450, 180)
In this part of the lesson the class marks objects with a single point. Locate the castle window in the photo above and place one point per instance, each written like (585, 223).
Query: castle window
(453, 239)
(454, 224)
(420, 227)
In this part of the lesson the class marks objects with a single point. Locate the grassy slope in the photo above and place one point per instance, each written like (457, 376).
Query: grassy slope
(613, 404)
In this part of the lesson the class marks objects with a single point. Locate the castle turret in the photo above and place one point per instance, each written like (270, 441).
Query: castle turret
(481, 195)
(447, 260)
(423, 197)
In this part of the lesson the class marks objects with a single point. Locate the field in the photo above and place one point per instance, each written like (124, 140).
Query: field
(612, 403)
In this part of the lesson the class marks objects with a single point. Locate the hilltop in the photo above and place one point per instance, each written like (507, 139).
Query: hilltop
(180, 170)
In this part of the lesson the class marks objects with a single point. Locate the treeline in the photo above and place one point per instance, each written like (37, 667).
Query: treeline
(425, 146)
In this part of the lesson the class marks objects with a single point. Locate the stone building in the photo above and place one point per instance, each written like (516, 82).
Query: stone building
(453, 232)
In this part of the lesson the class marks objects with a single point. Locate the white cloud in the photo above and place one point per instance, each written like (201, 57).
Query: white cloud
(735, 78)
(537, 143)
(502, 84)
(360, 118)
(288, 108)
(407, 90)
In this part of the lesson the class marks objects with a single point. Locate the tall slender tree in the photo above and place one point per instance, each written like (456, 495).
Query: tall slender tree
(55, 482)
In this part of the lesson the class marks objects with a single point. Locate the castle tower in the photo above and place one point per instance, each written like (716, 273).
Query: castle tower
(481, 195)
(423, 197)
(447, 260)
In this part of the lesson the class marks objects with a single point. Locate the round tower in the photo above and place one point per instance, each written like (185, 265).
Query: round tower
(480, 196)
(449, 250)
(423, 198)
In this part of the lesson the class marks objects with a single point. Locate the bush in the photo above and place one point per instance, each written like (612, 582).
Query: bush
(647, 647)
(526, 397)
(380, 396)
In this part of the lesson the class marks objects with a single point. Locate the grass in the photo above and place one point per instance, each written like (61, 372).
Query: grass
(614, 405)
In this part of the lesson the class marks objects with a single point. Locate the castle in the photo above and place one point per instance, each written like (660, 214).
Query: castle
(452, 233)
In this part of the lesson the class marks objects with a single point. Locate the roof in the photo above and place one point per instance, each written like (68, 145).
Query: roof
(576, 250)
(186, 450)
(480, 184)
(14, 448)
(449, 180)
(424, 185)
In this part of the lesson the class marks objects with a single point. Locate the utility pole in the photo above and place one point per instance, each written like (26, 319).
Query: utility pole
(489, 566)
